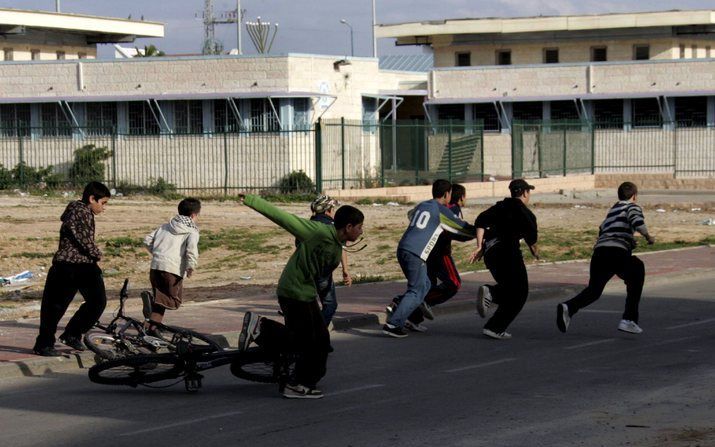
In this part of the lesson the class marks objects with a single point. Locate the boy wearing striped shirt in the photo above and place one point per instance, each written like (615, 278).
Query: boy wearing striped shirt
(612, 255)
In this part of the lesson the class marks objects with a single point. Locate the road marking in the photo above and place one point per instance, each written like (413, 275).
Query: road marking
(596, 311)
(480, 365)
(179, 424)
(352, 390)
(591, 343)
(695, 323)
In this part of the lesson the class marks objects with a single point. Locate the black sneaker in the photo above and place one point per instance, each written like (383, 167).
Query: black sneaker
(562, 317)
(301, 392)
(394, 331)
(73, 342)
(47, 351)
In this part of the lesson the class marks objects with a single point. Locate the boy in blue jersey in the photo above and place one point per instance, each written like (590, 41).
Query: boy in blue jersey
(429, 219)
(612, 255)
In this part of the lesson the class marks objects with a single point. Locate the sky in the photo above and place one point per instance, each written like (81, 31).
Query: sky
(313, 26)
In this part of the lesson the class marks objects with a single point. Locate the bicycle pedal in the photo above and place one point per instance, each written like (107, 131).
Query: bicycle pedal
(192, 384)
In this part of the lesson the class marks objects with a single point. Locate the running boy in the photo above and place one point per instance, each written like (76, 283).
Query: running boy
(429, 219)
(499, 230)
(612, 255)
(175, 254)
(316, 256)
(441, 268)
(74, 268)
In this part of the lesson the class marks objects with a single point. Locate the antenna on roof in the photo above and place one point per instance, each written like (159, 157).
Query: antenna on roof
(57, 5)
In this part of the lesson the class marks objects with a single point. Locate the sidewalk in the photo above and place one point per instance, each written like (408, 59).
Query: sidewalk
(360, 305)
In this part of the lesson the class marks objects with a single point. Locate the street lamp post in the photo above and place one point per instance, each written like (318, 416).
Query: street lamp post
(352, 47)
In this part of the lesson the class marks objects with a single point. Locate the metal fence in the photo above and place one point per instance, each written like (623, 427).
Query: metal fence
(356, 154)
(563, 147)
(209, 162)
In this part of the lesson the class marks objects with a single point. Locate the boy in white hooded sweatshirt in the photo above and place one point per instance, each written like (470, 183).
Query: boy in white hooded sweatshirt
(175, 253)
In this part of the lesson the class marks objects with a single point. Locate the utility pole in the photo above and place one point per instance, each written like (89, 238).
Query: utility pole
(374, 23)
(211, 45)
(57, 5)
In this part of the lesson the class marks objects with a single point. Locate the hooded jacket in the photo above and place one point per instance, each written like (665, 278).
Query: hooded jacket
(174, 246)
(77, 236)
(506, 223)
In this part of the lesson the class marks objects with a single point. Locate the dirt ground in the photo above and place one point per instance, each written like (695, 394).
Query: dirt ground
(243, 252)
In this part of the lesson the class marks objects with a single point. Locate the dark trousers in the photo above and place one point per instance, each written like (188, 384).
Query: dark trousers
(507, 267)
(328, 298)
(62, 284)
(443, 274)
(304, 333)
(606, 262)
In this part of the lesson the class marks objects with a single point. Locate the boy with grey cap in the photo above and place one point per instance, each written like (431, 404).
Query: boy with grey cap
(499, 230)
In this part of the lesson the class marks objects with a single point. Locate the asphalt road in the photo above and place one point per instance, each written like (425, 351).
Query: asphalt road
(593, 386)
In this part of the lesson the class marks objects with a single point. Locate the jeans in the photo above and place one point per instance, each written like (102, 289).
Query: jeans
(326, 293)
(606, 262)
(63, 282)
(418, 284)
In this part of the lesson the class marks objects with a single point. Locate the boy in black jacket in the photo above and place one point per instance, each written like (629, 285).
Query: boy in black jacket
(499, 230)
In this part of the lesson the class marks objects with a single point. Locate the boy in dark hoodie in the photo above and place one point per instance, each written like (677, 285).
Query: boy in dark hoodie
(499, 230)
(74, 268)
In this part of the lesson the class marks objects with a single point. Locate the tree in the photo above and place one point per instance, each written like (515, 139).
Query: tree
(149, 51)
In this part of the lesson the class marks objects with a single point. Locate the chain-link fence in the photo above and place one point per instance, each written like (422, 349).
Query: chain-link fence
(564, 147)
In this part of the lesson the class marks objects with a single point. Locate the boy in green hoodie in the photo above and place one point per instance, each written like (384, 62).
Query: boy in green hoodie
(317, 255)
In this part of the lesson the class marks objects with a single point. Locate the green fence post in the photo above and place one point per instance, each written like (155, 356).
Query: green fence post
(564, 146)
(449, 149)
(675, 149)
(593, 148)
(21, 165)
(114, 156)
(318, 157)
(481, 152)
(415, 157)
(225, 162)
(342, 151)
(378, 129)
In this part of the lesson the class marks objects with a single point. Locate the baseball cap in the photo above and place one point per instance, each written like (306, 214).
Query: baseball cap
(520, 185)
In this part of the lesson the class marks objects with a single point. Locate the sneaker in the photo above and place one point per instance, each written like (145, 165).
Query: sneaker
(629, 326)
(484, 300)
(73, 342)
(47, 351)
(562, 317)
(250, 330)
(390, 308)
(415, 327)
(500, 336)
(427, 311)
(301, 392)
(393, 331)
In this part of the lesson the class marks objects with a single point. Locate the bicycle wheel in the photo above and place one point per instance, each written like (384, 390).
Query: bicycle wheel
(137, 370)
(198, 341)
(108, 347)
(257, 365)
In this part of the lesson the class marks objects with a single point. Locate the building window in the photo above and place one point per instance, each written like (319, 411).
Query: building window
(451, 112)
(682, 51)
(262, 118)
(564, 110)
(504, 57)
(141, 119)
(369, 114)
(61, 55)
(599, 54)
(301, 113)
(14, 119)
(691, 111)
(463, 59)
(641, 52)
(101, 118)
(53, 120)
(35, 55)
(645, 112)
(9, 54)
(551, 55)
(188, 117)
(487, 114)
(708, 53)
(528, 111)
(81, 55)
(225, 119)
(608, 113)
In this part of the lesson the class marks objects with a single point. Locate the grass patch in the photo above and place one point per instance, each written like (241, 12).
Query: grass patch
(32, 255)
(115, 246)
(239, 239)
(381, 201)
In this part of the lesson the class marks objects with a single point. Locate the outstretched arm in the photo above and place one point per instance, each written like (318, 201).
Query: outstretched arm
(297, 226)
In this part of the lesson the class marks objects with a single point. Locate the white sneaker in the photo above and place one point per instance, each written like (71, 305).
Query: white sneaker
(484, 301)
(301, 392)
(562, 317)
(427, 311)
(250, 331)
(415, 327)
(629, 326)
(500, 336)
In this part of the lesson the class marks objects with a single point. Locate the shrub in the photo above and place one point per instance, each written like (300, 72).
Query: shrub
(6, 180)
(159, 187)
(88, 164)
(296, 182)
